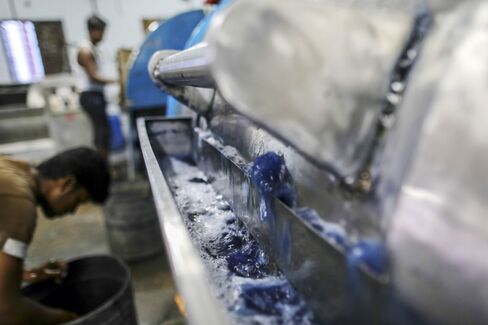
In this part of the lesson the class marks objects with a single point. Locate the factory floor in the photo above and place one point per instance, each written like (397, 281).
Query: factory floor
(84, 234)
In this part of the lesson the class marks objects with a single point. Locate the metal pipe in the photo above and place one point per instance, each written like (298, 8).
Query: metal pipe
(186, 68)
(179, 72)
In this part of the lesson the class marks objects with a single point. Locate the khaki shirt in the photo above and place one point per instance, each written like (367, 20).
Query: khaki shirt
(18, 214)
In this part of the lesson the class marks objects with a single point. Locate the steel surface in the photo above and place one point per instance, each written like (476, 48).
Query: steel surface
(188, 270)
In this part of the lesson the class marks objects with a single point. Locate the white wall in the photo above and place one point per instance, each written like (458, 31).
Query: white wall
(123, 17)
(4, 73)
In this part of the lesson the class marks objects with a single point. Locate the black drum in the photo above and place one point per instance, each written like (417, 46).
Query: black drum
(98, 288)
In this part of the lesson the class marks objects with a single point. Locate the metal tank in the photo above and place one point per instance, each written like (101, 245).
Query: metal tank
(348, 138)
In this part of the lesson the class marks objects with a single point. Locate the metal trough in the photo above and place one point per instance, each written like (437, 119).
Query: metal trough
(369, 155)
(314, 263)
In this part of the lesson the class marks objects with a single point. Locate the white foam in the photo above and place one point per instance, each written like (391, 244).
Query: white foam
(199, 201)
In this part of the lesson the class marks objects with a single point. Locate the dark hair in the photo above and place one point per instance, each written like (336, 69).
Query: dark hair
(95, 23)
(88, 167)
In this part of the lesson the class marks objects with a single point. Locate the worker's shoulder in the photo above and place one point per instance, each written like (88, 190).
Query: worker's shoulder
(85, 46)
(85, 55)
(18, 207)
(16, 179)
(18, 221)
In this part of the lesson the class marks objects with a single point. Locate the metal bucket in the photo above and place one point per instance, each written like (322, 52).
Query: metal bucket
(132, 223)
(98, 288)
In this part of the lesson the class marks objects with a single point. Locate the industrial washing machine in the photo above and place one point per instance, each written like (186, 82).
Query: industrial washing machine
(334, 171)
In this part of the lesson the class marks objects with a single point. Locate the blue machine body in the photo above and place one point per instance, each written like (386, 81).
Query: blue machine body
(173, 106)
(172, 35)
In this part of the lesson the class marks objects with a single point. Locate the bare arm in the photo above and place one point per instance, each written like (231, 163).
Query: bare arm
(87, 61)
(16, 309)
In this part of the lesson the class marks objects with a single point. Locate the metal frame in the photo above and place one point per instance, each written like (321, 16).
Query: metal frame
(187, 268)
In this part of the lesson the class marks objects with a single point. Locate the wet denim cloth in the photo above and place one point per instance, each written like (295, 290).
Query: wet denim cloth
(94, 104)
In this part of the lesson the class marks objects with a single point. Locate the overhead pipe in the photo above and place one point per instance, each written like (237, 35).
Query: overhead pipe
(184, 68)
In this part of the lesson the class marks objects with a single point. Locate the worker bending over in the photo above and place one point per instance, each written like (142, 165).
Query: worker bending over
(58, 185)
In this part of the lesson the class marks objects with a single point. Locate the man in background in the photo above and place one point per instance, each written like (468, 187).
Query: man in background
(92, 98)
(58, 185)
